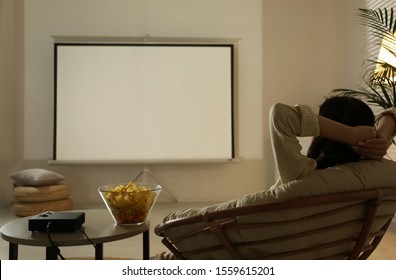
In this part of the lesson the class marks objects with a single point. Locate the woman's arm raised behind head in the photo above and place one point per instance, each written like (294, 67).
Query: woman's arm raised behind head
(343, 133)
(376, 148)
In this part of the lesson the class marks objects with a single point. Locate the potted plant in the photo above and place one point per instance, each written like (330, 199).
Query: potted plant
(379, 80)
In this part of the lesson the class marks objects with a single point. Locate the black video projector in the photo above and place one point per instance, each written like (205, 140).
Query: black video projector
(57, 221)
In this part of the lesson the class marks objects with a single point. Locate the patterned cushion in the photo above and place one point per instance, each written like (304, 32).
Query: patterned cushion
(41, 194)
(24, 209)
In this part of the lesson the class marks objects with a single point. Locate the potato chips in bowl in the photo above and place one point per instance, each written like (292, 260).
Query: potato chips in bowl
(130, 203)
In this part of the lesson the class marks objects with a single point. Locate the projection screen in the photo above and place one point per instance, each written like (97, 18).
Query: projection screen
(143, 102)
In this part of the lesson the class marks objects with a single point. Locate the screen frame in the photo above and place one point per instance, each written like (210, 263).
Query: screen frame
(157, 42)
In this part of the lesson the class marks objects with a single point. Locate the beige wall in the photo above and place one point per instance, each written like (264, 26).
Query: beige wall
(289, 51)
(11, 85)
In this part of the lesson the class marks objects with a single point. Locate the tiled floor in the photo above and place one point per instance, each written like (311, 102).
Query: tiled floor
(132, 247)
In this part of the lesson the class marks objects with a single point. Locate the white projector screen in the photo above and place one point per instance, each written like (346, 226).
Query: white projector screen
(143, 102)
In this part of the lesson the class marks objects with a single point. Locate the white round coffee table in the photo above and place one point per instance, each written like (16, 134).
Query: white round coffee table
(99, 227)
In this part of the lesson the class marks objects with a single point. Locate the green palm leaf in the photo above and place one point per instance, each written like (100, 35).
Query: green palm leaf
(382, 25)
(378, 76)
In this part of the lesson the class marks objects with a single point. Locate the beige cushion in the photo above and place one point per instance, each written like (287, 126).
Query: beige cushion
(41, 194)
(350, 177)
(36, 177)
(24, 209)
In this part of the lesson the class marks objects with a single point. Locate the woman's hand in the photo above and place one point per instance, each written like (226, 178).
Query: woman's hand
(374, 148)
(362, 133)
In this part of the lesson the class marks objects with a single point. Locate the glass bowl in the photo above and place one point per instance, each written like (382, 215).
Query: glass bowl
(129, 203)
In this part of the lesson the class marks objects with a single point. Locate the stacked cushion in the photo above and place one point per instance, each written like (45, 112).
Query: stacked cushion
(40, 190)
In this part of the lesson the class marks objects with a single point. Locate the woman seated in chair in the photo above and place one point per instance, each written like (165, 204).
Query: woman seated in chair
(344, 131)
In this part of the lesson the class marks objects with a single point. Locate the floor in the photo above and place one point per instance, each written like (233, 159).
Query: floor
(132, 248)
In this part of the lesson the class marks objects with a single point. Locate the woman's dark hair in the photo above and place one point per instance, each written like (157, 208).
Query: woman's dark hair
(346, 110)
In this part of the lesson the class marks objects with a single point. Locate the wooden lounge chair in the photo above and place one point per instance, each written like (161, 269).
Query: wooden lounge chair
(347, 225)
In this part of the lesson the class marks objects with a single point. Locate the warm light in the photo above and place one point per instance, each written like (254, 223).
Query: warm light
(386, 56)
